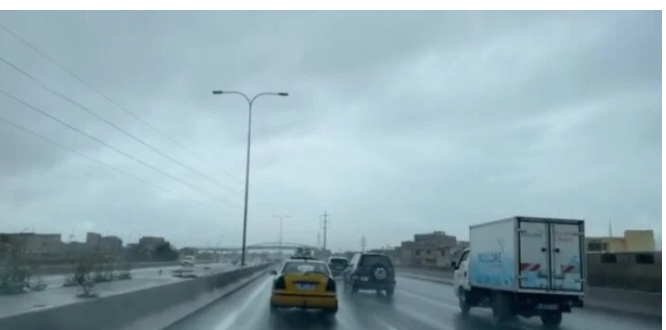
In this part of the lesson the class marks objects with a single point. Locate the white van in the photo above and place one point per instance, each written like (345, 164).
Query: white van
(187, 261)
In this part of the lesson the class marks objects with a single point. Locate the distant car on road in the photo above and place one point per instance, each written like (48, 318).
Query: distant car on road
(305, 284)
(337, 265)
(303, 252)
(370, 271)
(187, 261)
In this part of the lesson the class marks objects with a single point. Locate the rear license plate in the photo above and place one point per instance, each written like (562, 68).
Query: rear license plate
(550, 307)
(305, 286)
(364, 278)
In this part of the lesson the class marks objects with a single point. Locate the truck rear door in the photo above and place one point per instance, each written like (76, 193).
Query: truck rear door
(534, 261)
(567, 262)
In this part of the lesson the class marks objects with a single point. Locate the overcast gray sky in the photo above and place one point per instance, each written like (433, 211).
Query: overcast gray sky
(396, 123)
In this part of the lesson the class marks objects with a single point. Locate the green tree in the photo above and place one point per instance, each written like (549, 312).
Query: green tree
(165, 252)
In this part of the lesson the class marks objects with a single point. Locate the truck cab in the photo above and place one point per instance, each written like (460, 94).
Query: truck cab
(460, 266)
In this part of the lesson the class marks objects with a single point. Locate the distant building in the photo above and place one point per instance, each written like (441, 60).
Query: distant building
(632, 241)
(73, 249)
(32, 243)
(112, 244)
(436, 249)
(461, 245)
(93, 240)
(151, 242)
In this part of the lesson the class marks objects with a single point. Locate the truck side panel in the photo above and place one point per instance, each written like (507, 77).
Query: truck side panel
(492, 255)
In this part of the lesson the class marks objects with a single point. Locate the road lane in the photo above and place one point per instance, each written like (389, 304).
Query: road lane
(417, 305)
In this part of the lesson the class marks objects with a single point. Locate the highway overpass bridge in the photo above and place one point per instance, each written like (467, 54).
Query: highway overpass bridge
(258, 247)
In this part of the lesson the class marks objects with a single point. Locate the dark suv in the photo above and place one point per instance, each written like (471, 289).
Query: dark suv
(370, 271)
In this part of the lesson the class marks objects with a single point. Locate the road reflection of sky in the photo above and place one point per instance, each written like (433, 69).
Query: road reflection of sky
(297, 319)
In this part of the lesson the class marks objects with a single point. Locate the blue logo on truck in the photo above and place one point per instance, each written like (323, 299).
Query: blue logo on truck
(492, 268)
(490, 257)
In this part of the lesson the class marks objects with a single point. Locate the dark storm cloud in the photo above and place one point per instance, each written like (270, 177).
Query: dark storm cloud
(396, 123)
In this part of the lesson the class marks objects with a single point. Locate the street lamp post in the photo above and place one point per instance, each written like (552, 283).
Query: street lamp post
(250, 102)
(217, 248)
(280, 217)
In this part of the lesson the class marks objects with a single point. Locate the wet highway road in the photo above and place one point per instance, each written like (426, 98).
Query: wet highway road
(417, 305)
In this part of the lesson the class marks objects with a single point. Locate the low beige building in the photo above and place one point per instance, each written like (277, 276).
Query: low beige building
(436, 249)
(632, 241)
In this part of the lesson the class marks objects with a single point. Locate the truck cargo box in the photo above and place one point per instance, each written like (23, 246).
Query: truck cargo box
(528, 254)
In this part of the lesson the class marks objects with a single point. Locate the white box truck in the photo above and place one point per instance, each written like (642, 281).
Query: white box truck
(523, 266)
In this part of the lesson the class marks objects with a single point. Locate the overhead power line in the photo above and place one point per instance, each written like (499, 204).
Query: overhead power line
(116, 103)
(56, 119)
(108, 166)
(92, 113)
(121, 107)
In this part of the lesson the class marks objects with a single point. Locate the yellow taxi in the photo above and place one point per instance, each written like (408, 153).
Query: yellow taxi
(304, 283)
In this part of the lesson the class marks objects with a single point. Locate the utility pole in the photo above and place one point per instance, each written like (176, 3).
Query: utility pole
(325, 216)
(318, 239)
(363, 244)
(281, 217)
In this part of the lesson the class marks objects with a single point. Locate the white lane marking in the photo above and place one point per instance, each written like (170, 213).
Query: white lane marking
(422, 317)
(385, 325)
(235, 313)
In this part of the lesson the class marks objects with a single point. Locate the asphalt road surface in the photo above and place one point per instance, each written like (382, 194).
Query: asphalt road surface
(417, 305)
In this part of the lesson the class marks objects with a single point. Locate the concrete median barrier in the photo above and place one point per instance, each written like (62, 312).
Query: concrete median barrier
(151, 308)
(634, 302)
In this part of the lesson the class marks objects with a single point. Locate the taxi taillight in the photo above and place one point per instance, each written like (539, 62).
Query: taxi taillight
(330, 285)
(279, 283)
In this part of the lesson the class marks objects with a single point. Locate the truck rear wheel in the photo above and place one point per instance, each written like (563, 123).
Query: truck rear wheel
(551, 319)
(463, 301)
(501, 308)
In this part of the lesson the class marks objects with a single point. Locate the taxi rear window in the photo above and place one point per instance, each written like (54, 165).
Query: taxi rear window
(303, 267)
